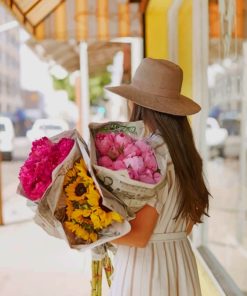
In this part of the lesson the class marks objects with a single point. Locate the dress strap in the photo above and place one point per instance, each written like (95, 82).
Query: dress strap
(162, 237)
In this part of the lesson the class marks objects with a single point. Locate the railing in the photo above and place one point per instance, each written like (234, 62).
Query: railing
(214, 279)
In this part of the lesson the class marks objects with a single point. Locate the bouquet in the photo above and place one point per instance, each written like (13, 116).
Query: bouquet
(85, 217)
(59, 182)
(36, 173)
(119, 151)
(127, 164)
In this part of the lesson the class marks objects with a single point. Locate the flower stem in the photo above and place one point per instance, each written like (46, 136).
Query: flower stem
(108, 268)
(96, 278)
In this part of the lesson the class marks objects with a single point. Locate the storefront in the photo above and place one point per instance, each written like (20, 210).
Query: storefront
(207, 39)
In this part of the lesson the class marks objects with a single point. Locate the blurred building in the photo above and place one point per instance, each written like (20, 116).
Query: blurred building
(9, 66)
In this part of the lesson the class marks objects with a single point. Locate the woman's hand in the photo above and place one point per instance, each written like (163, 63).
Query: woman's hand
(142, 228)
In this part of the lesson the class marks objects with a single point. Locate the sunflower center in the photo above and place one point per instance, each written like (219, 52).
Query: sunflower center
(80, 189)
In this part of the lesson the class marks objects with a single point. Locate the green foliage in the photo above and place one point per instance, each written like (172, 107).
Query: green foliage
(64, 84)
(96, 86)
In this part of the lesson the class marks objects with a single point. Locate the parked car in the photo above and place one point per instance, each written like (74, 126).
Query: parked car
(46, 128)
(7, 136)
(231, 121)
(215, 136)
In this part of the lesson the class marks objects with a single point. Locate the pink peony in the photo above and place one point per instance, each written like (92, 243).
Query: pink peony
(132, 150)
(118, 165)
(150, 161)
(157, 177)
(121, 157)
(41, 148)
(143, 146)
(105, 161)
(133, 174)
(113, 153)
(119, 151)
(122, 139)
(135, 163)
(147, 177)
(104, 142)
(64, 146)
(36, 173)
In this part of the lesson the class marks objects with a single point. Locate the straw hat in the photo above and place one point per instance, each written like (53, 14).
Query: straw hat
(157, 85)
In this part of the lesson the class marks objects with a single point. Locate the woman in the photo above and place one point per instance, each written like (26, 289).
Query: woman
(155, 258)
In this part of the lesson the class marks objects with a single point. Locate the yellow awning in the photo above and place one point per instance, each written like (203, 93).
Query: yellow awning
(82, 20)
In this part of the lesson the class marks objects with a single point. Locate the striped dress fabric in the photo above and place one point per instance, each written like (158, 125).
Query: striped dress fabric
(167, 265)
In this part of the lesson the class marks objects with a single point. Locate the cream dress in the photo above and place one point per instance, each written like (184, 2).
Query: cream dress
(167, 265)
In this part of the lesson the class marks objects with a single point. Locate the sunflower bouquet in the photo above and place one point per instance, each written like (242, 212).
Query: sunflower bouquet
(86, 217)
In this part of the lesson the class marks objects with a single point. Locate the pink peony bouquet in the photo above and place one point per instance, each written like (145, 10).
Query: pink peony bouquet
(36, 174)
(119, 151)
(128, 164)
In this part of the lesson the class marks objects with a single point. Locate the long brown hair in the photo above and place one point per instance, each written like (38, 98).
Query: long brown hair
(177, 133)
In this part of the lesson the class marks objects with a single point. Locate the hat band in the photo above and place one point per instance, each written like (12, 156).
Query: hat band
(162, 92)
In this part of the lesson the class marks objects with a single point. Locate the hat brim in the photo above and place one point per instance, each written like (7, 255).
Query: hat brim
(180, 106)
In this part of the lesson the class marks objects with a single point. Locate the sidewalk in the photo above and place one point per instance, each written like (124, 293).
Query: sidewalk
(33, 263)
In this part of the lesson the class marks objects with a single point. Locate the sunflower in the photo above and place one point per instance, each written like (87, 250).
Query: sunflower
(86, 179)
(77, 216)
(96, 221)
(70, 226)
(86, 212)
(85, 216)
(92, 196)
(81, 166)
(69, 208)
(108, 219)
(100, 218)
(93, 236)
(78, 230)
(76, 190)
(116, 217)
(70, 176)
(82, 233)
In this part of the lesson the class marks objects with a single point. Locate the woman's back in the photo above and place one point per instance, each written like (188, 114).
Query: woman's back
(166, 266)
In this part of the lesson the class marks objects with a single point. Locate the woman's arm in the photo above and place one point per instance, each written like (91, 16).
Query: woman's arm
(141, 228)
